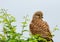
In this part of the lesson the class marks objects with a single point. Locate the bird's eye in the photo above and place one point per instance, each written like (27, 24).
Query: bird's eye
(38, 15)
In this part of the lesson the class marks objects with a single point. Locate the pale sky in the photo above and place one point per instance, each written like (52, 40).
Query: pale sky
(20, 8)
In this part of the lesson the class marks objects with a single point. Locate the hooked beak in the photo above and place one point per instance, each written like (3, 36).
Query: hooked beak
(42, 17)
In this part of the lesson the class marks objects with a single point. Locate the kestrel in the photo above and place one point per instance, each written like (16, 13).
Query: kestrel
(39, 26)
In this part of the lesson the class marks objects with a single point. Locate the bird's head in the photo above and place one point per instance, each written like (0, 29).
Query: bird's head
(38, 14)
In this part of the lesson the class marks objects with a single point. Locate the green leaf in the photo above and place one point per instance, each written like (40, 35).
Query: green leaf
(25, 31)
(55, 29)
(24, 23)
(13, 19)
(1, 16)
(1, 22)
(12, 40)
(3, 37)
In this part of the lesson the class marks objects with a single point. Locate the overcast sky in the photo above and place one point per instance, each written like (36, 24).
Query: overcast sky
(20, 8)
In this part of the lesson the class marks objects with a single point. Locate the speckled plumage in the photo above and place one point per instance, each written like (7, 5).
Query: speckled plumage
(39, 26)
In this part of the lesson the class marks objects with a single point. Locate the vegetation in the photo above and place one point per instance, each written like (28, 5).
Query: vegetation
(9, 30)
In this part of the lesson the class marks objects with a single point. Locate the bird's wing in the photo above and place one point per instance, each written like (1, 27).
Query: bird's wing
(47, 30)
(40, 27)
(32, 28)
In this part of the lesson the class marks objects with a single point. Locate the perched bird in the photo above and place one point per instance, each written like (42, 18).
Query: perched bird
(39, 26)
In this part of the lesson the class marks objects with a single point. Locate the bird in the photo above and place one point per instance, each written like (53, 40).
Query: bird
(39, 26)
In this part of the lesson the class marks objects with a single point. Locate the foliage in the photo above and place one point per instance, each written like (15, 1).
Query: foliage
(56, 28)
(9, 30)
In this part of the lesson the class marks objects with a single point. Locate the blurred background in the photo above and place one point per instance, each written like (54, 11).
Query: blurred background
(20, 8)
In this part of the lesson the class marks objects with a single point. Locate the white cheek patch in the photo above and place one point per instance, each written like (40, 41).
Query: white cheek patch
(44, 19)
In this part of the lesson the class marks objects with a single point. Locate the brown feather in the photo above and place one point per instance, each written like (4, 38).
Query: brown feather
(38, 26)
